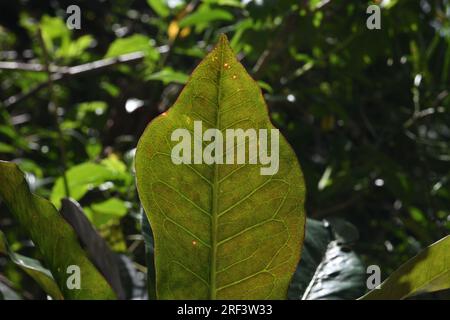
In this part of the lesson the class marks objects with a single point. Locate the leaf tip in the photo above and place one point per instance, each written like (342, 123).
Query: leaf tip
(223, 40)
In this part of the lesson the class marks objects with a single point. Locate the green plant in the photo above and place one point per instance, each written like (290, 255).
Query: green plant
(188, 261)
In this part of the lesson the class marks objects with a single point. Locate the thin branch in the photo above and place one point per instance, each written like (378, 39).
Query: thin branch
(33, 67)
(65, 72)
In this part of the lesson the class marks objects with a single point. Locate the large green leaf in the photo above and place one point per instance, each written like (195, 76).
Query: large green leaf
(54, 237)
(33, 268)
(136, 42)
(429, 271)
(222, 231)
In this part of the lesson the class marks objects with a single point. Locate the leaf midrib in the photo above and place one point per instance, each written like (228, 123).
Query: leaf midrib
(215, 198)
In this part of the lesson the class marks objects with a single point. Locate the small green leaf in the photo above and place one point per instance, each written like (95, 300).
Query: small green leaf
(33, 268)
(95, 107)
(54, 31)
(168, 75)
(222, 231)
(85, 176)
(265, 86)
(137, 42)
(103, 212)
(160, 7)
(231, 3)
(114, 164)
(6, 148)
(75, 48)
(205, 15)
(429, 271)
(53, 236)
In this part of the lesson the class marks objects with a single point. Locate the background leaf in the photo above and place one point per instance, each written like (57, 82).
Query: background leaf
(44, 225)
(33, 268)
(204, 15)
(167, 75)
(329, 269)
(99, 253)
(104, 212)
(340, 275)
(6, 293)
(131, 44)
(160, 7)
(132, 280)
(83, 177)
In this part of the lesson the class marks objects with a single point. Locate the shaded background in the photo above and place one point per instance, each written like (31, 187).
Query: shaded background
(367, 111)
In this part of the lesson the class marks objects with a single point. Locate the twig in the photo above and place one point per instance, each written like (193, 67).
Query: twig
(33, 67)
(66, 72)
(54, 109)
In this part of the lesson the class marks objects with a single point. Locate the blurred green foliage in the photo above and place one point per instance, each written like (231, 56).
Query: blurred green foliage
(367, 111)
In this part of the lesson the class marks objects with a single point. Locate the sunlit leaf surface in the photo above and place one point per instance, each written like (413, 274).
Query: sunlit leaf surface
(222, 231)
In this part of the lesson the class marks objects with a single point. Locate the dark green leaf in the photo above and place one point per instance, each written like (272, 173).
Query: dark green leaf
(340, 275)
(133, 281)
(317, 237)
(98, 250)
(328, 269)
